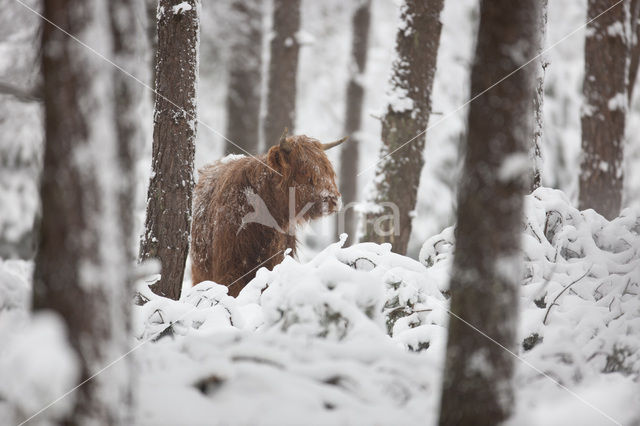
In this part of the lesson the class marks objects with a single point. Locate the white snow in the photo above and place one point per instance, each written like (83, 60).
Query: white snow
(181, 8)
(618, 102)
(37, 366)
(587, 110)
(357, 335)
(616, 29)
(231, 157)
(514, 166)
(305, 38)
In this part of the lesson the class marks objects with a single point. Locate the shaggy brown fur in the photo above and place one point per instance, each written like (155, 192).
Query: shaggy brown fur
(227, 250)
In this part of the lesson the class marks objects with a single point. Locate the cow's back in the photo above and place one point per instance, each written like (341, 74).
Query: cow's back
(223, 249)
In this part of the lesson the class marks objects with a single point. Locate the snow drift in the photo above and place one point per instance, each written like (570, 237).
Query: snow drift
(357, 335)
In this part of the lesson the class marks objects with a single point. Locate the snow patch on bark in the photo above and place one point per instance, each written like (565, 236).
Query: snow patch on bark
(181, 8)
(618, 102)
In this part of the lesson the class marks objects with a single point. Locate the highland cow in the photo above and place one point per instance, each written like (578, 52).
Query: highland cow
(246, 209)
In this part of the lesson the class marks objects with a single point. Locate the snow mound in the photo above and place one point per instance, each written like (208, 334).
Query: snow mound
(37, 364)
(580, 304)
(355, 336)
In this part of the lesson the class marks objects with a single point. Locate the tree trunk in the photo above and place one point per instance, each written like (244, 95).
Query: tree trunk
(168, 220)
(347, 220)
(283, 70)
(127, 95)
(605, 106)
(634, 47)
(80, 270)
(151, 8)
(127, 50)
(245, 67)
(477, 386)
(404, 124)
(538, 100)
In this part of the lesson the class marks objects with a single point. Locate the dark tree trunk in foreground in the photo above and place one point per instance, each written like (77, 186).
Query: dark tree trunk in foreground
(605, 106)
(348, 176)
(538, 100)
(283, 70)
(168, 220)
(243, 96)
(80, 270)
(406, 119)
(487, 265)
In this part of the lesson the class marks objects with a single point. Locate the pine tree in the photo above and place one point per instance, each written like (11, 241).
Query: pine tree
(283, 70)
(245, 67)
(81, 264)
(477, 387)
(634, 47)
(538, 100)
(605, 107)
(349, 155)
(168, 221)
(404, 124)
(126, 49)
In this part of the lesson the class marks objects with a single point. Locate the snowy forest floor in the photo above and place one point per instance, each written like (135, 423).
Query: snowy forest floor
(357, 335)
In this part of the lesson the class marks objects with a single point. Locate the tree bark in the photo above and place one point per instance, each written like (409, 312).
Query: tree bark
(126, 49)
(283, 70)
(605, 106)
(168, 221)
(245, 67)
(80, 270)
(538, 100)
(477, 386)
(406, 118)
(346, 221)
(151, 8)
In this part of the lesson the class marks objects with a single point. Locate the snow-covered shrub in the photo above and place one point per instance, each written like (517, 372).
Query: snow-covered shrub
(580, 296)
(205, 308)
(363, 290)
(323, 341)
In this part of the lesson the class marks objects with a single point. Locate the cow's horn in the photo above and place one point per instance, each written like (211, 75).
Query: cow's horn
(284, 145)
(326, 146)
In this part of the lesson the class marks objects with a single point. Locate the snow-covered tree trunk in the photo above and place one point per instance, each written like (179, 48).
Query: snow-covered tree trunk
(538, 100)
(634, 47)
(168, 221)
(487, 265)
(151, 9)
(348, 175)
(283, 70)
(123, 15)
(605, 107)
(245, 67)
(127, 51)
(81, 269)
(404, 124)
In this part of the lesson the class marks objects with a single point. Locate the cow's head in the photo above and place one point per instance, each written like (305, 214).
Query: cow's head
(305, 167)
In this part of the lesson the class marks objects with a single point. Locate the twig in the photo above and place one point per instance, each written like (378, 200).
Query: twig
(535, 234)
(544, 320)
